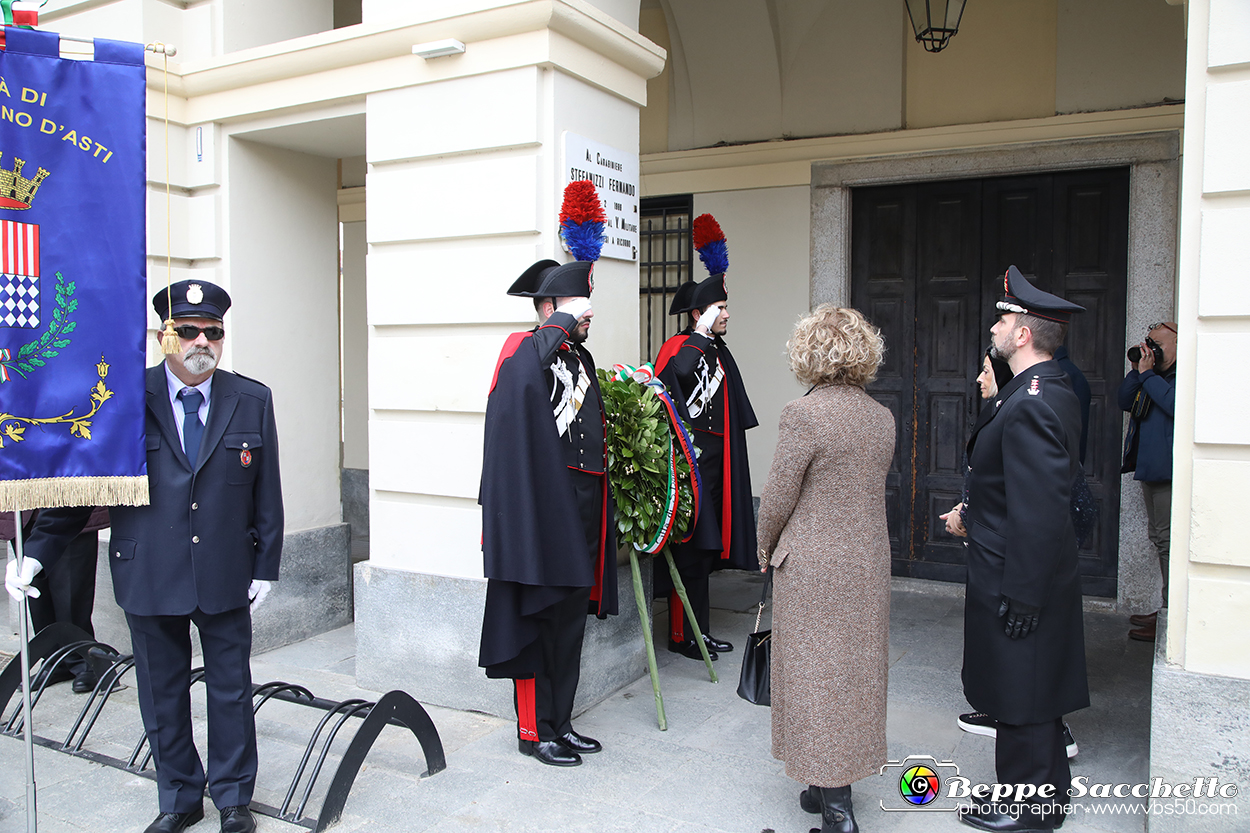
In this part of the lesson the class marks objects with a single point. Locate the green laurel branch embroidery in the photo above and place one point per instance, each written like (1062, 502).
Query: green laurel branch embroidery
(13, 426)
(32, 356)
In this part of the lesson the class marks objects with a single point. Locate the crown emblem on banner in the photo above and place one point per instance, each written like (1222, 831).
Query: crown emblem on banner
(16, 191)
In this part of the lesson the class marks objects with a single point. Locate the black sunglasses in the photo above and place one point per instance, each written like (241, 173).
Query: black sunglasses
(190, 332)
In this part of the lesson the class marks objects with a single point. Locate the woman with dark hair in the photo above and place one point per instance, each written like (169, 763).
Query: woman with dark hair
(822, 528)
(995, 373)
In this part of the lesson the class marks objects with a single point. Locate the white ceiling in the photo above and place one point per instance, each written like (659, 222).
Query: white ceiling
(336, 137)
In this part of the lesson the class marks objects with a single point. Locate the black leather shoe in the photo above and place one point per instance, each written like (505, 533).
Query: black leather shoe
(997, 822)
(581, 744)
(550, 752)
(85, 682)
(690, 648)
(175, 822)
(809, 799)
(717, 645)
(237, 820)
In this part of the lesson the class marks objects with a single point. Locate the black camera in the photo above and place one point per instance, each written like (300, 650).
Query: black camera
(1134, 352)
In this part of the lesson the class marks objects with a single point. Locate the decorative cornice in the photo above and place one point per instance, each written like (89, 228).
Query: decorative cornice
(782, 163)
(364, 44)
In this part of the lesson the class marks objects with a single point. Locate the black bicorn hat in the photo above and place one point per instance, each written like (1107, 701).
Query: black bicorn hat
(550, 279)
(192, 299)
(691, 296)
(1025, 298)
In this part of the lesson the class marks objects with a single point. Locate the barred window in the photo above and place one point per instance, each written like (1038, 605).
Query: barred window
(664, 265)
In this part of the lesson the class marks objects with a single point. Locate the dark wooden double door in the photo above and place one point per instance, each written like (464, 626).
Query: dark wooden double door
(927, 268)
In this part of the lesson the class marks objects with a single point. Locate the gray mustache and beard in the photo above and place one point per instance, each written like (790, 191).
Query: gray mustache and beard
(199, 360)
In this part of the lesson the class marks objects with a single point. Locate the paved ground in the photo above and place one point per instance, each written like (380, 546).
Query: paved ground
(711, 771)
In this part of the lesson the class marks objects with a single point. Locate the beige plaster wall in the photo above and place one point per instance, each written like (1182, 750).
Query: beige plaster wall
(355, 346)
(248, 23)
(653, 119)
(1112, 54)
(767, 231)
(282, 267)
(745, 71)
(1001, 65)
(626, 11)
(740, 71)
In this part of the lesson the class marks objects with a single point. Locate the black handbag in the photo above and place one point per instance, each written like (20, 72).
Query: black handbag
(753, 682)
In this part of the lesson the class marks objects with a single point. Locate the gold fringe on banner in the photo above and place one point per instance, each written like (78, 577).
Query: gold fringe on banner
(50, 492)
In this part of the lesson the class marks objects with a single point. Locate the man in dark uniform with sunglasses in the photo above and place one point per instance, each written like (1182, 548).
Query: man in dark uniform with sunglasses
(204, 551)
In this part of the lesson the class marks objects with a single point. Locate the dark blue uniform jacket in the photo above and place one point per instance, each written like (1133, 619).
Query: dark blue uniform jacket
(210, 528)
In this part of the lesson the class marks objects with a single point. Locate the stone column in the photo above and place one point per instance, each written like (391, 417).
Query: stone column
(464, 187)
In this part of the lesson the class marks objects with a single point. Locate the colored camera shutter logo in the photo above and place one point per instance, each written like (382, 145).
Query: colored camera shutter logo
(919, 785)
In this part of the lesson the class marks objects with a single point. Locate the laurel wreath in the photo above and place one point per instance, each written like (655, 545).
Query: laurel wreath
(638, 441)
(13, 426)
(32, 356)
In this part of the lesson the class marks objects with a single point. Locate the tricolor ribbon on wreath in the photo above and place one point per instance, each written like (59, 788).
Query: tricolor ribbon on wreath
(645, 375)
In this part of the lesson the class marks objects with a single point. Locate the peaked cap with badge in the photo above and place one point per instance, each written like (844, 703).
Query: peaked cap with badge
(1026, 299)
(192, 299)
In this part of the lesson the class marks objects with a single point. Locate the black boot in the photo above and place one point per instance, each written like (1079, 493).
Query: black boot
(836, 814)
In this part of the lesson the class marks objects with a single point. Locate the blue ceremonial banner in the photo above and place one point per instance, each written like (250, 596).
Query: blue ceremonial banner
(73, 276)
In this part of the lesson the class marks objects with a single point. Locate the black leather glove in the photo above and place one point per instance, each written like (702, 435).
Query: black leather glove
(1021, 617)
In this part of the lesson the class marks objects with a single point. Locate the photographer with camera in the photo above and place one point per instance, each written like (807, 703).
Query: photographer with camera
(1148, 393)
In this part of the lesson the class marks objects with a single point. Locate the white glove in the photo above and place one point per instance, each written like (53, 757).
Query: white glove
(18, 584)
(577, 307)
(708, 318)
(256, 593)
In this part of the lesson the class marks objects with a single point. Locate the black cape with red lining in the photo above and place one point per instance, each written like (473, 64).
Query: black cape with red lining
(531, 528)
(736, 490)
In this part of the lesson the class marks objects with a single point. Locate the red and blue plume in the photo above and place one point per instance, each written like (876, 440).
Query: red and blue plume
(710, 242)
(582, 220)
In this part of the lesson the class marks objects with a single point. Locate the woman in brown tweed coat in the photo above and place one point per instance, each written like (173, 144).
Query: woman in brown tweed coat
(822, 527)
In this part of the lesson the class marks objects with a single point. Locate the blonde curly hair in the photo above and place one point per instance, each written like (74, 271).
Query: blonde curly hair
(835, 345)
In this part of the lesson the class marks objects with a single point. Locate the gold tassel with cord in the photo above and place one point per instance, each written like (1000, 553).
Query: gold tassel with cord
(169, 339)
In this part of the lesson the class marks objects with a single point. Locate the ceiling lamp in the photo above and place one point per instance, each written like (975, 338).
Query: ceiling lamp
(935, 22)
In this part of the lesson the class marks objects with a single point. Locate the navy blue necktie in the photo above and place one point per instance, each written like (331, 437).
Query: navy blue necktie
(192, 428)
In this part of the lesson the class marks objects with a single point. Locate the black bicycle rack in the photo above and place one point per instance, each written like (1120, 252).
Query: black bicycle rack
(396, 708)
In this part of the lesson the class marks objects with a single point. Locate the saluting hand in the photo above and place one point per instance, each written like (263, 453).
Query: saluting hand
(706, 320)
(576, 307)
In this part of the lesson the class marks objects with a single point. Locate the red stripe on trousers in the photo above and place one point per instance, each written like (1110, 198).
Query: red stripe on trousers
(676, 617)
(526, 715)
